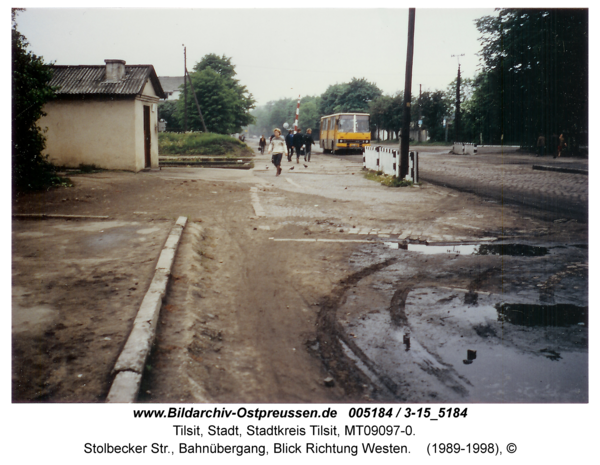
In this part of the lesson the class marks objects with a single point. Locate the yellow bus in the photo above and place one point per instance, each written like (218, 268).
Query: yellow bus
(349, 131)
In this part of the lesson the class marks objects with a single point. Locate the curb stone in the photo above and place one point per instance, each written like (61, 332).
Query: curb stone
(130, 364)
(560, 169)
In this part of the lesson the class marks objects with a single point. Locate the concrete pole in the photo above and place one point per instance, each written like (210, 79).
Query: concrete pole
(404, 143)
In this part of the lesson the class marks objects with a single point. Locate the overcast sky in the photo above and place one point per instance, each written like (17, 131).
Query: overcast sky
(278, 53)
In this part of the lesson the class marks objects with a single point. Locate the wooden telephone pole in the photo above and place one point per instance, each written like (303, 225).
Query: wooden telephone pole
(404, 143)
(184, 89)
(186, 78)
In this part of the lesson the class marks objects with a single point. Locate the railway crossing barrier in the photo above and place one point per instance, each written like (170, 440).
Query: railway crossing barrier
(386, 160)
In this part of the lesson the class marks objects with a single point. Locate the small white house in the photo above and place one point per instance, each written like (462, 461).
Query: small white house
(105, 116)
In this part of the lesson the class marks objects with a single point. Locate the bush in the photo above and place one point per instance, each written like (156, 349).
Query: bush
(199, 143)
(30, 91)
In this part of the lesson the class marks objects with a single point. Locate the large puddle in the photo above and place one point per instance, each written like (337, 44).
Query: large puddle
(514, 250)
(490, 352)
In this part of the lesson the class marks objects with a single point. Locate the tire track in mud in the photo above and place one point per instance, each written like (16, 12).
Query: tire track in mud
(397, 309)
(330, 333)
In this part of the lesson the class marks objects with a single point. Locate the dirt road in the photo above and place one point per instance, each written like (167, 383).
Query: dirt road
(284, 289)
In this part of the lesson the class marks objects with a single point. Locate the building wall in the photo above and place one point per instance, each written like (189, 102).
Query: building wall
(103, 132)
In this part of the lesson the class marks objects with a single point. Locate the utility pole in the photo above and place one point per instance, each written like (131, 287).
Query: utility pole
(457, 120)
(404, 143)
(184, 89)
(420, 116)
(196, 99)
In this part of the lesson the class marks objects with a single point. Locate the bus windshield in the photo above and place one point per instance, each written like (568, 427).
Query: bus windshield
(353, 123)
(362, 123)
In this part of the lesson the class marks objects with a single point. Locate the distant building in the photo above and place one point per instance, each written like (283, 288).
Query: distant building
(105, 116)
(171, 86)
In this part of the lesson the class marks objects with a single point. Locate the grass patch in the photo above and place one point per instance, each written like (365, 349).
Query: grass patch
(200, 143)
(386, 180)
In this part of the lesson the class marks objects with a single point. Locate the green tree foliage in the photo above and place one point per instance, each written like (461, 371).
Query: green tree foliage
(169, 112)
(353, 96)
(275, 113)
(30, 91)
(309, 114)
(534, 78)
(386, 113)
(433, 107)
(224, 102)
(217, 102)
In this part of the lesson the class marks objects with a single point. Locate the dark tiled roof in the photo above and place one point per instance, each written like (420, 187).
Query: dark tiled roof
(90, 80)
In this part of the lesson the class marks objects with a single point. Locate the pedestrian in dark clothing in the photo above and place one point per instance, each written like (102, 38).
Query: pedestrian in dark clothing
(541, 144)
(298, 143)
(261, 144)
(561, 145)
(308, 143)
(289, 142)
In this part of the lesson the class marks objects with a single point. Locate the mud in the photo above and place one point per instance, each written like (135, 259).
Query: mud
(283, 290)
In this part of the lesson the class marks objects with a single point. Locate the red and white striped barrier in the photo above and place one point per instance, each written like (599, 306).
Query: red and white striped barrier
(297, 114)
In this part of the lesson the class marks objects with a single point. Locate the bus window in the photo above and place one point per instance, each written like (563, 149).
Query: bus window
(362, 123)
(346, 123)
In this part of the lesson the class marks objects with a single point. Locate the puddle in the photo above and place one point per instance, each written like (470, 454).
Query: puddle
(450, 351)
(542, 315)
(515, 250)
(434, 249)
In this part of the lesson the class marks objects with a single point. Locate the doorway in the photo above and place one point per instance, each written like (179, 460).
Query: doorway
(147, 139)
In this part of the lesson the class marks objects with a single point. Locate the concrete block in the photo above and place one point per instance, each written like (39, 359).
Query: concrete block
(125, 388)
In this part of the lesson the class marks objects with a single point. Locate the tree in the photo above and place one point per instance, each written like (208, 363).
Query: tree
(30, 91)
(218, 103)
(353, 96)
(169, 112)
(535, 74)
(220, 73)
(433, 108)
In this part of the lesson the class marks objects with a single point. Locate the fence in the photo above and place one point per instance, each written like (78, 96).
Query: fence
(467, 148)
(388, 161)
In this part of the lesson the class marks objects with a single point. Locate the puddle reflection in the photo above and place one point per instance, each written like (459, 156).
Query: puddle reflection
(542, 315)
(514, 250)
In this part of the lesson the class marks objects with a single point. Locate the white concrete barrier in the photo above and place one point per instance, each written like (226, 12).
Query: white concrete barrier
(387, 161)
(371, 158)
(467, 148)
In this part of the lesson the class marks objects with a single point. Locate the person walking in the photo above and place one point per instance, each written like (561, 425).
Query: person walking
(541, 144)
(262, 143)
(277, 147)
(308, 143)
(561, 145)
(298, 143)
(289, 142)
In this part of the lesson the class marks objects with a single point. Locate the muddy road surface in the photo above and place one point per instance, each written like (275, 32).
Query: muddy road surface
(314, 286)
